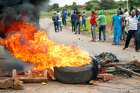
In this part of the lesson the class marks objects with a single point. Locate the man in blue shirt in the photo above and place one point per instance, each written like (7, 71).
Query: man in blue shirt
(116, 24)
(74, 19)
(64, 17)
(55, 19)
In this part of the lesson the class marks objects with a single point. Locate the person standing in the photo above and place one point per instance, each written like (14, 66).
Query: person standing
(59, 20)
(64, 17)
(78, 25)
(74, 21)
(93, 23)
(84, 21)
(102, 25)
(123, 28)
(55, 19)
(117, 27)
(132, 23)
(138, 32)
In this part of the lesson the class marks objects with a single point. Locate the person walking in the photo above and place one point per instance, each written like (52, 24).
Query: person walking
(55, 19)
(102, 25)
(117, 27)
(84, 21)
(74, 21)
(132, 23)
(93, 24)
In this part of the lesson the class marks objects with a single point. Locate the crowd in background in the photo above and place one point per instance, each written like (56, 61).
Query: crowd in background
(125, 25)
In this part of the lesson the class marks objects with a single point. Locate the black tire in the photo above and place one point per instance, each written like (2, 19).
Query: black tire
(76, 75)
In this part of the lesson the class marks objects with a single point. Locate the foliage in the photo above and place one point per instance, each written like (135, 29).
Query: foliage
(74, 6)
(134, 2)
(93, 4)
(54, 7)
(107, 4)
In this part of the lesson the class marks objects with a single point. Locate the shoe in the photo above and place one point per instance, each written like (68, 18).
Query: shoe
(124, 48)
(93, 40)
(113, 44)
(137, 50)
(99, 40)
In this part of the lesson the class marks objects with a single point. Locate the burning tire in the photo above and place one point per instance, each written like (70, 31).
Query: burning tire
(75, 75)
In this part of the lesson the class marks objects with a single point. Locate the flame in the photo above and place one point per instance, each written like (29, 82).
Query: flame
(34, 47)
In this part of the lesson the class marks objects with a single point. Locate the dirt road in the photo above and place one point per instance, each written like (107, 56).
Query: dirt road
(68, 38)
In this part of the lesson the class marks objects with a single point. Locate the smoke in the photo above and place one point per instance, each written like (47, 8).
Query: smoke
(28, 10)
(16, 10)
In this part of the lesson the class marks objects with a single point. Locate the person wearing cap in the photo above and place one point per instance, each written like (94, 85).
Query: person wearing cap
(132, 23)
(117, 27)
(102, 25)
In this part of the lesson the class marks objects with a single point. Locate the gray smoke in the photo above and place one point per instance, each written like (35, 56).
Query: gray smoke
(21, 9)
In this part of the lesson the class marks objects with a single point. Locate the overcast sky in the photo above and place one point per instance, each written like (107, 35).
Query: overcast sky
(69, 2)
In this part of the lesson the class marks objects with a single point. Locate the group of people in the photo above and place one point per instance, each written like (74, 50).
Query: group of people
(80, 19)
(125, 25)
(59, 19)
(76, 21)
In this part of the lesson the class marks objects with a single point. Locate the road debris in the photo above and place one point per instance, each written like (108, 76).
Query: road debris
(9, 83)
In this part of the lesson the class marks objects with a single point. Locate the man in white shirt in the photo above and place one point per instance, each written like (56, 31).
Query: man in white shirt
(59, 20)
(132, 23)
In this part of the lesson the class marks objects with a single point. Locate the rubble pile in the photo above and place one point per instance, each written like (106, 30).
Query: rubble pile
(106, 57)
(109, 66)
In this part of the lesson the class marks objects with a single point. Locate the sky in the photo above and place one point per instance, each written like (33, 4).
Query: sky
(68, 2)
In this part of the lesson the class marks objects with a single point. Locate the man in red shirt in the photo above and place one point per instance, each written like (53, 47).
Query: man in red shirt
(93, 23)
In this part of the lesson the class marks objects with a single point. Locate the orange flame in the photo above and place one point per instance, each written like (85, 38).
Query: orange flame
(35, 47)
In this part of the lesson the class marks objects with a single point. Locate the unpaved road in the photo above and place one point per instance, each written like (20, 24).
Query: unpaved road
(83, 41)
(118, 85)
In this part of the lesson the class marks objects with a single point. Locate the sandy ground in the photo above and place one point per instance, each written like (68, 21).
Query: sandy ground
(118, 85)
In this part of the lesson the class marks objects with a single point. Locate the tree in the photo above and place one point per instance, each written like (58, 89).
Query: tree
(107, 4)
(74, 5)
(122, 4)
(93, 4)
(134, 3)
(55, 6)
